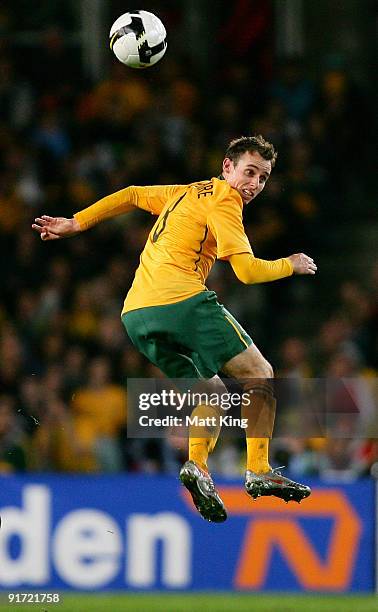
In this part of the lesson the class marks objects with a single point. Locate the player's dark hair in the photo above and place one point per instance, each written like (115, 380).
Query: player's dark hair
(238, 146)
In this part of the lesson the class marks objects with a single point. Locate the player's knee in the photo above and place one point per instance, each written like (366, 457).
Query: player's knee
(210, 386)
(208, 391)
(262, 369)
(269, 372)
(260, 379)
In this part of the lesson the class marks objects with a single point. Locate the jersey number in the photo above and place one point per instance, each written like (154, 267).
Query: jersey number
(161, 226)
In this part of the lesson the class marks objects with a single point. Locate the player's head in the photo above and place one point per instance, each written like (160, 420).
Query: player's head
(247, 165)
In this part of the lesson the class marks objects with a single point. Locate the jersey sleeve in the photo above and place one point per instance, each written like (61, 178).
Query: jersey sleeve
(225, 222)
(250, 269)
(152, 199)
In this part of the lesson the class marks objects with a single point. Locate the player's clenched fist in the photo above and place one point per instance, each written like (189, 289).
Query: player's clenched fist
(302, 264)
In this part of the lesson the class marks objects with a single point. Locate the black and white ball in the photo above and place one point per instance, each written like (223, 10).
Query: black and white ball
(138, 39)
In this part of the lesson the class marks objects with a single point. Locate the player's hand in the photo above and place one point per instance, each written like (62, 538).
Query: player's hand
(302, 264)
(52, 228)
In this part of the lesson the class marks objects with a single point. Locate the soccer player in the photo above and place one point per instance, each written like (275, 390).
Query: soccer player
(173, 319)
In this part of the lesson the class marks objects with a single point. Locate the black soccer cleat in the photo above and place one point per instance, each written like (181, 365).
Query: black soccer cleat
(273, 483)
(204, 494)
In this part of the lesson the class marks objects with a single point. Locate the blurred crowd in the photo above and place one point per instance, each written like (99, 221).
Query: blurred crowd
(67, 141)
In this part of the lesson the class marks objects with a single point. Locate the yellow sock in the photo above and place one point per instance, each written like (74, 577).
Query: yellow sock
(260, 412)
(203, 437)
(258, 455)
(199, 452)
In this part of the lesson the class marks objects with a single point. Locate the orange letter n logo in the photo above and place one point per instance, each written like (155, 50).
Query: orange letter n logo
(275, 526)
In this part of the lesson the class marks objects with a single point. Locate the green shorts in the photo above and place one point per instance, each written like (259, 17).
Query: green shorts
(189, 339)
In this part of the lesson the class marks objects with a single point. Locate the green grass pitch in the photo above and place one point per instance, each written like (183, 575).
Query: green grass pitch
(207, 602)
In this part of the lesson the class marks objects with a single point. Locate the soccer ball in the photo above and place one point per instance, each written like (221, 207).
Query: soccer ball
(138, 39)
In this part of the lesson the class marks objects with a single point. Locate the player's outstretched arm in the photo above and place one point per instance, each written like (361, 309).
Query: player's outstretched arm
(52, 228)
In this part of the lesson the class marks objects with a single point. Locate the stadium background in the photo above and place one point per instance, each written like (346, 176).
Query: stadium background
(77, 125)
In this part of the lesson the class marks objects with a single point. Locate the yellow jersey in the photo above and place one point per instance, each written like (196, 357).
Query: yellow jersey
(197, 223)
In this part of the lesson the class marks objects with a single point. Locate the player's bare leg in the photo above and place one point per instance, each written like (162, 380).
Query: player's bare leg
(194, 475)
(255, 374)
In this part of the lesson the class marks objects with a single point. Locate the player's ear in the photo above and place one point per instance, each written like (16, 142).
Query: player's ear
(227, 165)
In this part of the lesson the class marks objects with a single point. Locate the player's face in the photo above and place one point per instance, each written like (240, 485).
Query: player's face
(248, 175)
